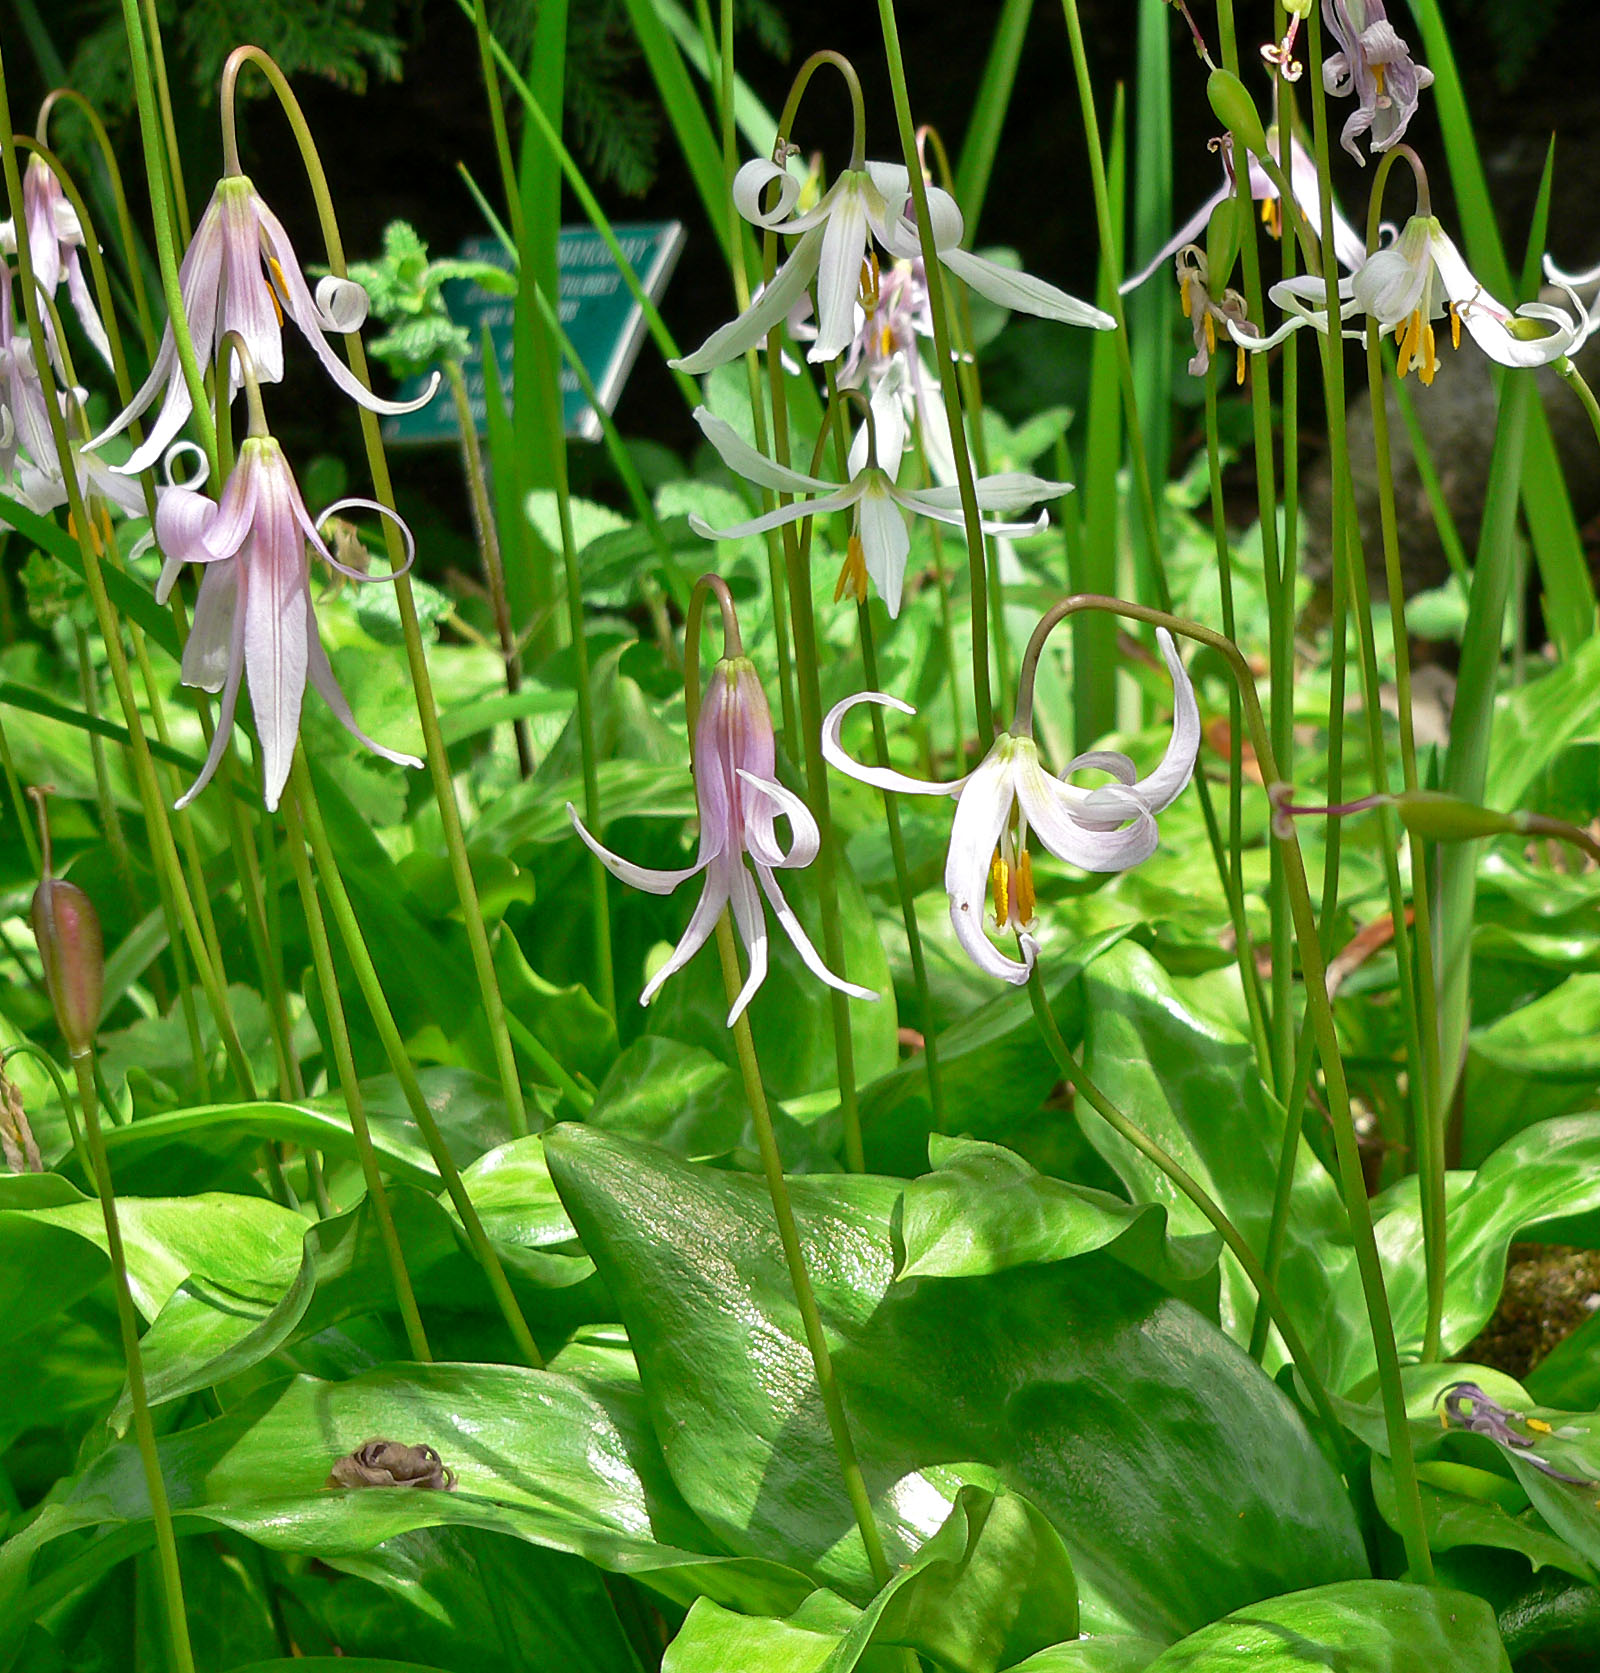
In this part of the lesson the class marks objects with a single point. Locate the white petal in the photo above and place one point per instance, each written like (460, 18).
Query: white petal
(885, 544)
(1177, 765)
(752, 925)
(750, 184)
(625, 871)
(762, 845)
(844, 243)
(795, 930)
(1574, 281)
(750, 329)
(1486, 318)
(791, 513)
(342, 303)
(1191, 230)
(1054, 816)
(882, 778)
(982, 814)
(1388, 285)
(743, 460)
(1022, 292)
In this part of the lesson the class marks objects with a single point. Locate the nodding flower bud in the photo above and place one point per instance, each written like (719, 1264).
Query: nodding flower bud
(1225, 233)
(1236, 110)
(67, 930)
(1445, 818)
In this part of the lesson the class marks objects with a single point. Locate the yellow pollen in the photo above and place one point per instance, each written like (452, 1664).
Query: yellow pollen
(869, 281)
(886, 342)
(277, 283)
(1539, 1426)
(1183, 293)
(1410, 342)
(1455, 327)
(1272, 216)
(1211, 335)
(1025, 901)
(1430, 356)
(1238, 370)
(853, 573)
(1000, 884)
(1377, 76)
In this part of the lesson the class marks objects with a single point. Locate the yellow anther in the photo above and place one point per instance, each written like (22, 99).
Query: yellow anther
(869, 281)
(1272, 216)
(1238, 370)
(1183, 296)
(1377, 76)
(886, 342)
(1025, 901)
(275, 285)
(853, 573)
(1000, 887)
(1211, 333)
(1409, 342)
(1455, 327)
(1539, 1426)
(1430, 356)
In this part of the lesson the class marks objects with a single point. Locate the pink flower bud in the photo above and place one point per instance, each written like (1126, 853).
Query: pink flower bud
(68, 933)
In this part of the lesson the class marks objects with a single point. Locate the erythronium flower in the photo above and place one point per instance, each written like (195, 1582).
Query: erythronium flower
(1376, 65)
(871, 202)
(54, 239)
(253, 615)
(1108, 828)
(1349, 247)
(882, 539)
(24, 413)
(1467, 1406)
(1418, 279)
(1203, 310)
(240, 273)
(739, 798)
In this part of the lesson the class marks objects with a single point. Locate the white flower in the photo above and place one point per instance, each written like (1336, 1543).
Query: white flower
(1108, 828)
(54, 240)
(1420, 278)
(870, 202)
(882, 538)
(1375, 65)
(739, 798)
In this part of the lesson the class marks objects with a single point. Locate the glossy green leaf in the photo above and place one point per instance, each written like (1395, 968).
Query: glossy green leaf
(1115, 1653)
(1538, 1061)
(1066, 1352)
(984, 1209)
(1363, 1626)
(1536, 721)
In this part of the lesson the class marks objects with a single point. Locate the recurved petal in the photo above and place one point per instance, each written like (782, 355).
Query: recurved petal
(760, 838)
(182, 518)
(1053, 812)
(1177, 764)
(750, 329)
(342, 303)
(1022, 292)
(625, 871)
(882, 778)
(744, 460)
(320, 672)
(982, 813)
(1006, 491)
(1490, 321)
(803, 945)
(715, 895)
(750, 185)
(752, 927)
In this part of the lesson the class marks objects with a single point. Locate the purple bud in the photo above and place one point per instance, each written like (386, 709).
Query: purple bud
(68, 933)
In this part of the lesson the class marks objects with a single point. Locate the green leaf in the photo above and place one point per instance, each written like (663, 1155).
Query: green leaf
(1540, 1060)
(1066, 1352)
(1534, 723)
(1363, 1626)
(1115, 1653)
(984, 1209)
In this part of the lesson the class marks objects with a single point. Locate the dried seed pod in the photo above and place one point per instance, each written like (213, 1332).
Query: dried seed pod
(381, 1463)
(16, 1136)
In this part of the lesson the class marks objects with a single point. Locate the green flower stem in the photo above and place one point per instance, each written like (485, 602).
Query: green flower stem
(166, 245)
(1430, 1115)
(902, 880)
(982, 697)
(1351, 1180)
(1580, 388)
(350, 1084)
(128, 1323)
(119, 199)
(26, 1048)
(1249, 977)
(1078, 1079)
(355, 947)
(1283, 1187)
(163, 850)
(110, 820)
(416, 656)
(947, 630)
(794, 1257)
(509, 184)
(19, 805)
(488, 536)
(169, 128)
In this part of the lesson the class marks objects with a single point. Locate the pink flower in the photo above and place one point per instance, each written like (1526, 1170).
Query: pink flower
(1375, 65)
(54, 240)
(739, 797)
(24, 414)
(253, 615)
(240, 273)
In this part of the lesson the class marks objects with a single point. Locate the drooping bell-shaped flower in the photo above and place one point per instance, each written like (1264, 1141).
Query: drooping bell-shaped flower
(1204, 311)
(24, 412)
(739, 798)
(862, 204)
(253, 616)
(881, 541)
(55, 236)
(1108, 828)
(240, 273)
(1376, 66)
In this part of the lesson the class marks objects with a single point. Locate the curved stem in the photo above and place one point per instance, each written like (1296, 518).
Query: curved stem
(128, 1325)
(797, 88)
(26, 1048)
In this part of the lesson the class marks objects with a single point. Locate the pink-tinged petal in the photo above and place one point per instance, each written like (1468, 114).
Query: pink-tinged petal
(885, 542)
(881, 778)
(225, 711)
(752, 926)
(719, 884)
(1022, 292)
(301, 307)
(320, 673)
(625, 871)
(769, 309)
(982, 813)
(275, 588)
(844, 245)
(1188, 233)
(249, 305)
(210, 650)
(744, 460)
(792, 513)
(182, 518)
(312, 526)
(760, 839)
(342, 304)
(83, 306)
(1054, 816)
(238, 508)
(39, 189)
(803, 945)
